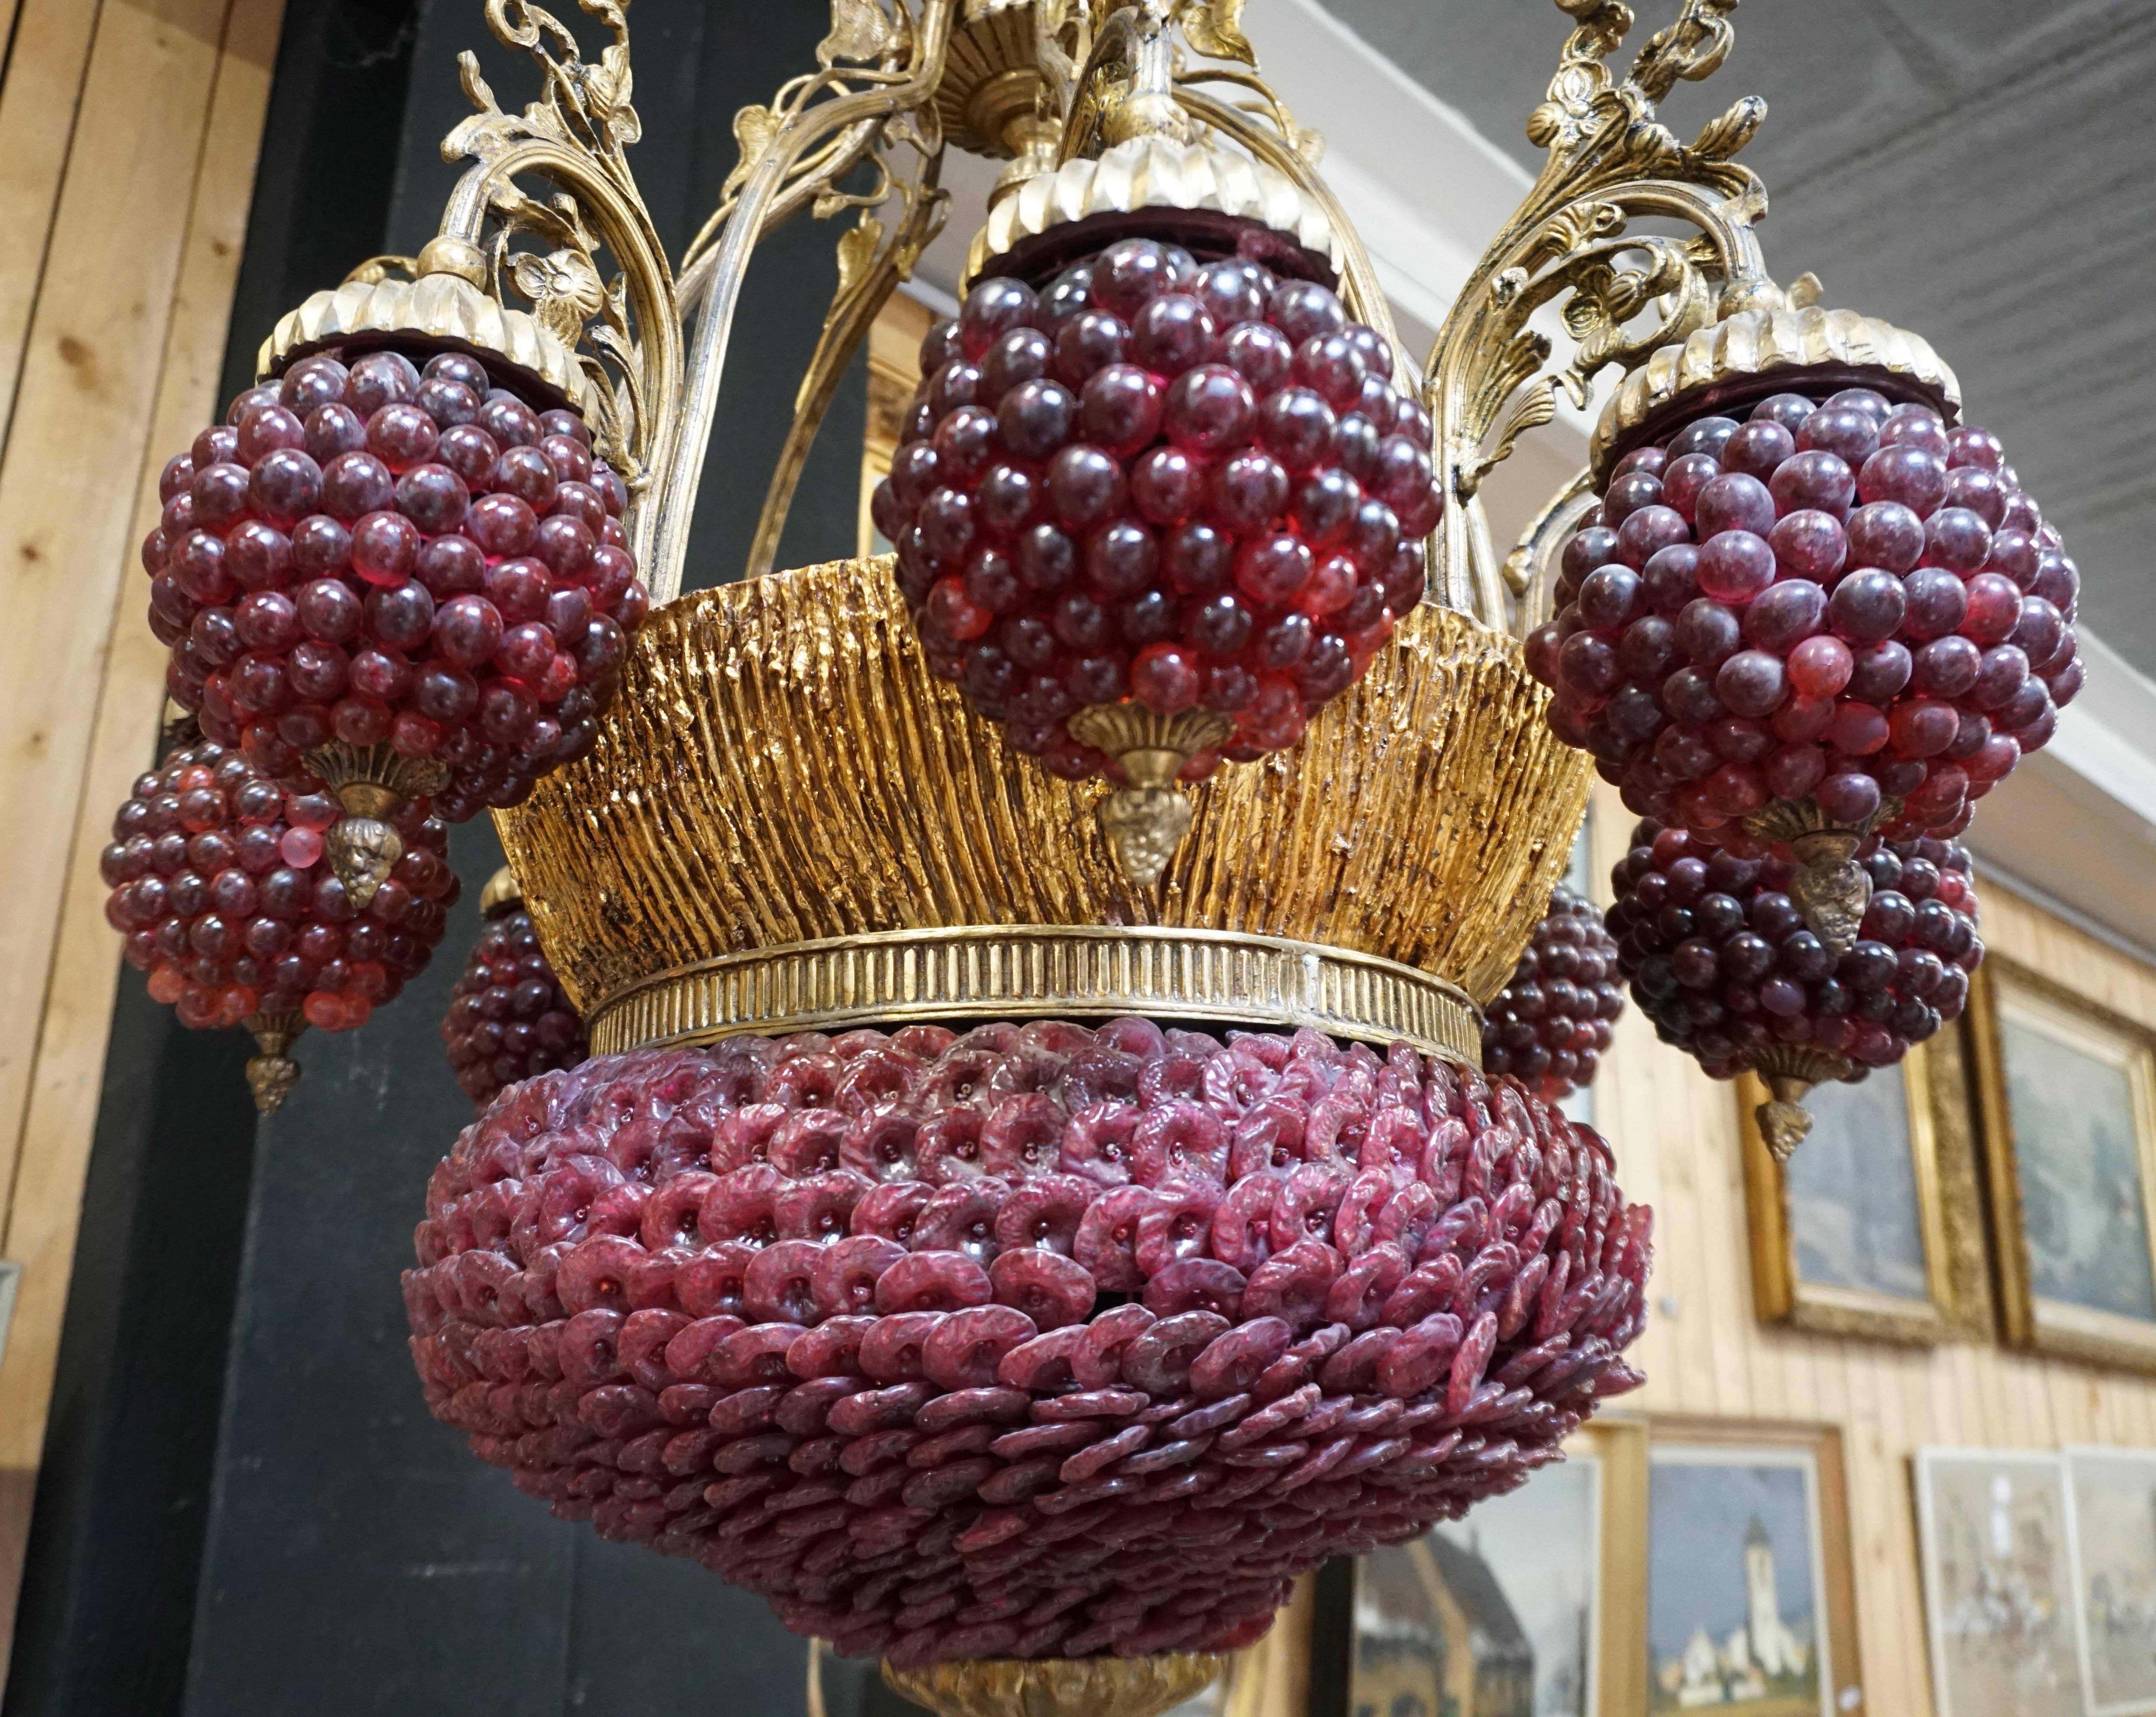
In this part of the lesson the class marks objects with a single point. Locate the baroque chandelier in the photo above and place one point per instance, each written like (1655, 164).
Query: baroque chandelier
(1016, 1078)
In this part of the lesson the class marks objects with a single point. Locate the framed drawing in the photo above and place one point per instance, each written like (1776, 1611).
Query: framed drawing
(2067, 1093)
(2111, 1532)
(1998, 1591)
(1531, 1604)
(1750, 1595)
(1874, 1227)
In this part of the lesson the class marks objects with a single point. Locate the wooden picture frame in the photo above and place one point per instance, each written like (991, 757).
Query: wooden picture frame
(1613, 1451)
(2048, 1297)
(2111, 1545)
(1815, 1451)
(1992, 1546)
(1782, 1201)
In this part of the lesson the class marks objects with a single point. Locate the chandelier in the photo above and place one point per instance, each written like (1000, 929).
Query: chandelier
(1017, 1077)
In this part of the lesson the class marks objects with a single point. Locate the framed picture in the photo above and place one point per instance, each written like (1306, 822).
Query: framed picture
(1873, 1228)
(894, 343)
(1530, 1607)
(2067, 1092)
(2110, 1530)
(1999, 1591)
(1750, 1596)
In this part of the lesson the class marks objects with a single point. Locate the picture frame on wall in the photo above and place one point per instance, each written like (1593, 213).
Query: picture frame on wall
(1533, 1603)
(2110, 1527)
(1751, 1589)
(2067, 1093)
(1874, 1227)
(894, 365)
(1998, 1586)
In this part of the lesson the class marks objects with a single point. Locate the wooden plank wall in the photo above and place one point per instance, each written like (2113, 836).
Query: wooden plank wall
(129, 134)
(1675, 1133)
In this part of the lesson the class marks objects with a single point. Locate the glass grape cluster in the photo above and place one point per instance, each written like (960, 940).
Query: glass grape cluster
(1040, 1342)
(219, 885)
(508, 1018)
(1720, 959)
(1194, 487)
(386, 554)
(1551, 1024)
(1843, 602)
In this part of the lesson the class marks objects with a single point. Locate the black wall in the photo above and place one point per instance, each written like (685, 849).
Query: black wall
(244, 1508)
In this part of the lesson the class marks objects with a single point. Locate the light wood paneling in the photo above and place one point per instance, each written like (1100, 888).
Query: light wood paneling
(125, 334)
(1675, 1133)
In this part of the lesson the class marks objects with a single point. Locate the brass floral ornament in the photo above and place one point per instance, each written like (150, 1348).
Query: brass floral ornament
(564, 290)
(1610, 161)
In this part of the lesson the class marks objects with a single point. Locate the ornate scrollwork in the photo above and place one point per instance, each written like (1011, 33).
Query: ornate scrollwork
(624, 329)
(1610, 161)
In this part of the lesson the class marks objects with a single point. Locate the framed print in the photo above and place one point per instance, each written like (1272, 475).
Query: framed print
(1872, 1227)
(1750, 1597)
(1530, 1606)
(2111, 1531)
(1998, 1590)
(2067, 1091)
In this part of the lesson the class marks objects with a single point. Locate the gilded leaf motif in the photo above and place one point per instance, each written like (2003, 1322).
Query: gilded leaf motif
(859, 31)
(1214, 28)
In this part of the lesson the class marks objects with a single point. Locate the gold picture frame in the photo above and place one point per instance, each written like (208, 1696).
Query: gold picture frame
(1816, 1451)
(1614, 1449)
(894, 345)
(2017, 1012)
(1948, 1214)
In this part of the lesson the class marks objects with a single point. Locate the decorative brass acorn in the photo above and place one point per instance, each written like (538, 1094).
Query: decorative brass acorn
(1058, 1687)
(371, 785)
(271, 1073)
(1790, 1071)
(1145, 822)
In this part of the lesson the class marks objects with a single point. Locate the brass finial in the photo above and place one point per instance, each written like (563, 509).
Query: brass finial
(1058, 1687)
(271, 1073)
(1790, 1071)
(1146, 820)
(372, 786)
(1830, 888)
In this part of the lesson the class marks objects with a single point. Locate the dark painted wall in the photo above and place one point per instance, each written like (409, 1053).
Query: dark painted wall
(245, 1507)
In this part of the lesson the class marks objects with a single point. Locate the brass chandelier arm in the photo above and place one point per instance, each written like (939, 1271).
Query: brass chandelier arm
(625, 333)
(1531, 570)
(713, 289)
(872, 264)
(814, 175)
(1610, 161)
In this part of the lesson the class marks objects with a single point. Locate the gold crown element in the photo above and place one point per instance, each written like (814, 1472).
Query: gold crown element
(437, 308)
(1155, 172)
(788, 822)
(1738, 358)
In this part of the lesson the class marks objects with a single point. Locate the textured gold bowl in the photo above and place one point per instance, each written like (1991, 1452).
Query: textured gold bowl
(786, 814)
